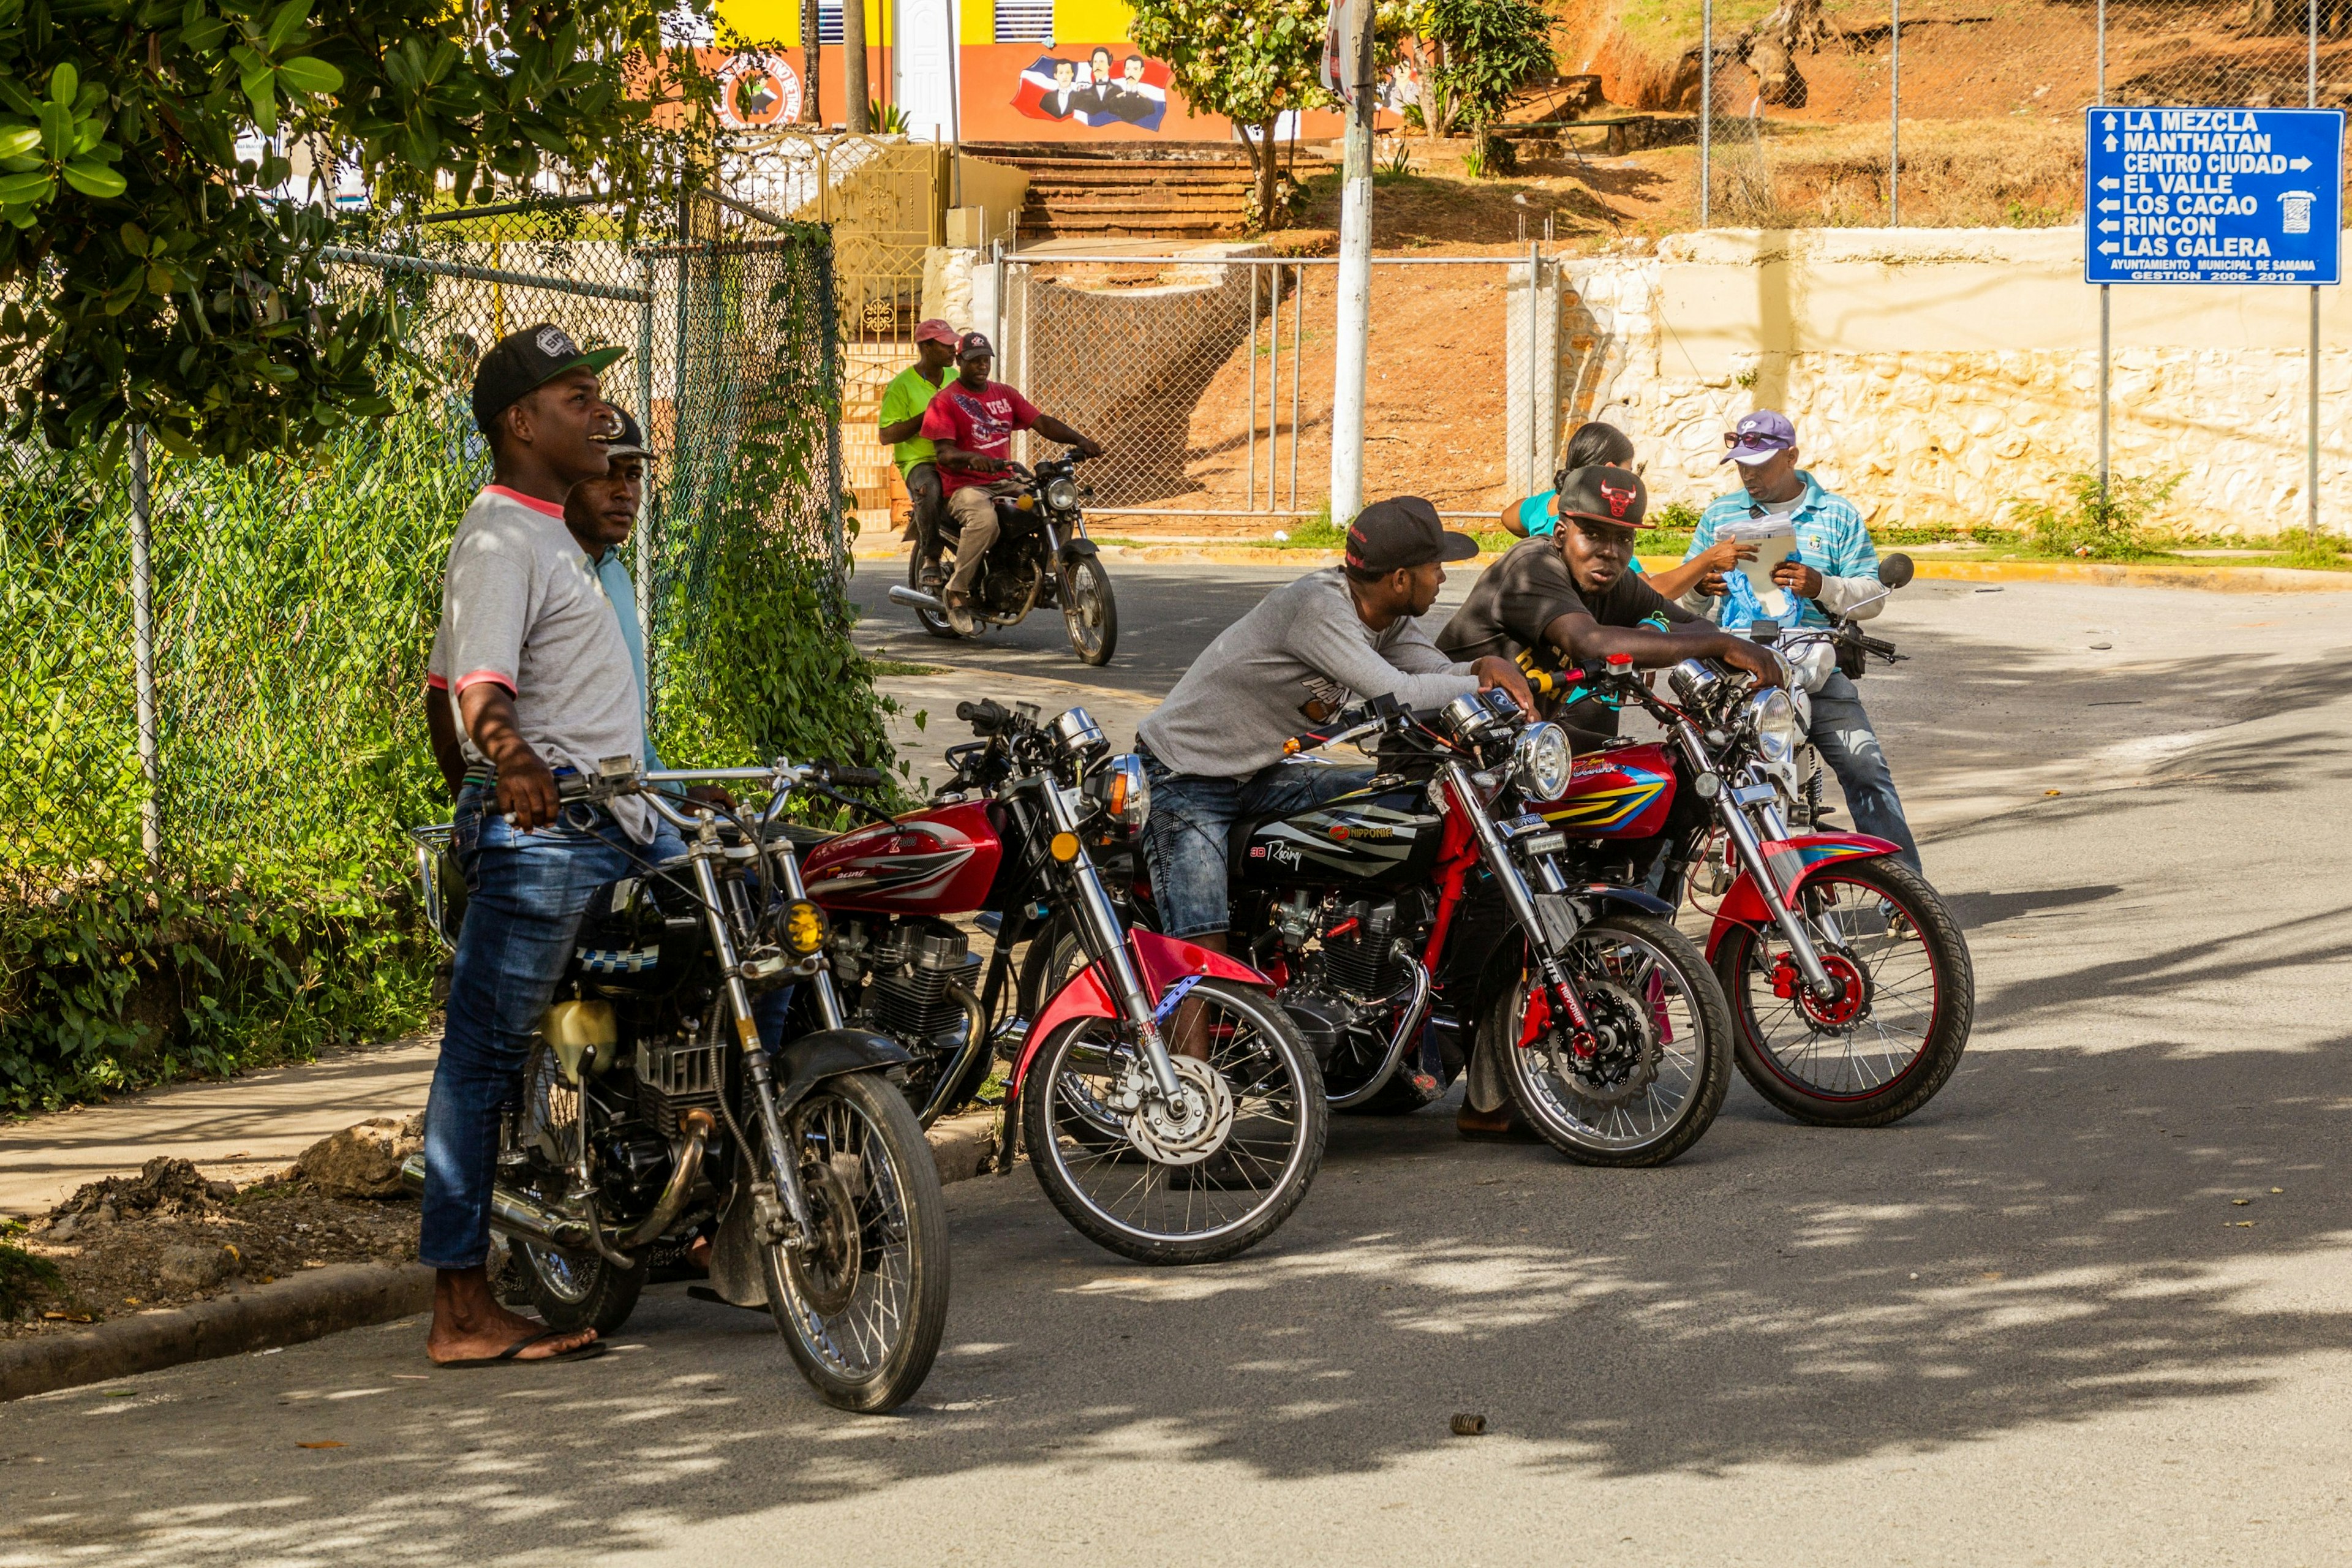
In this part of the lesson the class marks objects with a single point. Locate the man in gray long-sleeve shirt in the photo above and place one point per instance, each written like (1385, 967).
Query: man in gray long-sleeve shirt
(1337, 637)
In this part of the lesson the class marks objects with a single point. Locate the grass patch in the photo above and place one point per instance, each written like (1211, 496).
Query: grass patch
(2305, 552)
(878, 667)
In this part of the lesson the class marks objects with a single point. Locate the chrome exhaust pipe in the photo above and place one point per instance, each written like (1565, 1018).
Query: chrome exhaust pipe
(515, 1214)
(697, 1124)
(915, 597)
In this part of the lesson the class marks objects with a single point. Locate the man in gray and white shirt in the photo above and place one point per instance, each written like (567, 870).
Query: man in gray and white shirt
(1337, 637)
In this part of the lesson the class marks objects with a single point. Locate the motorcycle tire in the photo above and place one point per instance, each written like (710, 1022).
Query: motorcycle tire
(1593, 1131)
(578, 1291)
(1089, 611)
(931, 621)
(1178, 1214)
(880, 1220)
(1851, 1089)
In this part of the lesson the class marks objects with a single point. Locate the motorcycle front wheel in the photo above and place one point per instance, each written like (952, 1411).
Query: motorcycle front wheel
(1652, 1087)
(863, 1304)
(1884, 1050)
(1119, 1191)
(1089, 612)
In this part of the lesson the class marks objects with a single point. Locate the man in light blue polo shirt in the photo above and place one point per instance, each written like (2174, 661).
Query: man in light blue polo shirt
(1833, 571)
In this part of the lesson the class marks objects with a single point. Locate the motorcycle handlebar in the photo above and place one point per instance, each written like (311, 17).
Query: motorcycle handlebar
(848, 777)
(985, 716)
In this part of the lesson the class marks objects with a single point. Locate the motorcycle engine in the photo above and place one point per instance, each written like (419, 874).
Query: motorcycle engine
(1359, 941)
(908, 970)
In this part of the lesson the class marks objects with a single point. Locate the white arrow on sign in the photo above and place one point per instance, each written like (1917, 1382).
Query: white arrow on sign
(2111, 206)
(2298, 163)
(2111, 184)
(2111, 144)
(2108, 226)
(2109, 247)
(2110, 123)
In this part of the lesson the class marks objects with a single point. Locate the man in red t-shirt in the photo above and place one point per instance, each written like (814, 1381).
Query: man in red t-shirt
(969, 426)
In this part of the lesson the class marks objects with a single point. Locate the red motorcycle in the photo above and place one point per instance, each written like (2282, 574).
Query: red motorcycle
(1160, 1155)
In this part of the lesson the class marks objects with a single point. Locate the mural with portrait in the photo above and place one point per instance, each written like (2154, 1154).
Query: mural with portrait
(1106, 87)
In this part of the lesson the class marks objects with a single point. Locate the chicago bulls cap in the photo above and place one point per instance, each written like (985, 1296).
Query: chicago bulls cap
(1605, 495)
(1400, 532)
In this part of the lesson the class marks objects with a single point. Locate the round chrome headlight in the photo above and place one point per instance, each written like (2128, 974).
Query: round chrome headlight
(1119, 787)
(1773, 717)
(1061, 495)
(1542, 762)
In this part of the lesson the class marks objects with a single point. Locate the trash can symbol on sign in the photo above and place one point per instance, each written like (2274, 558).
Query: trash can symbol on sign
(2298, 211)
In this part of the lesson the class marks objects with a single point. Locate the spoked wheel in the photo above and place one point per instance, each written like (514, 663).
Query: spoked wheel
(932, 621)
(862, 1306)
(1647, 1085)
(1888, 1042)
(1089, 613)
(568, 1290)
(1202, 1180)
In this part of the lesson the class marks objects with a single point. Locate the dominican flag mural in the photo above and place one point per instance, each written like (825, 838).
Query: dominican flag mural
(1106, 88)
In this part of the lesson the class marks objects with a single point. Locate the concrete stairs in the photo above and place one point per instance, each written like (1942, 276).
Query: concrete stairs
(1180, 190)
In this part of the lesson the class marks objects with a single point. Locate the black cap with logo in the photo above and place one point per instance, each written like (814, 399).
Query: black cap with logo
(624, 440)
(1603, 494)
(973, 343)
(1400, 532)
(521, 363)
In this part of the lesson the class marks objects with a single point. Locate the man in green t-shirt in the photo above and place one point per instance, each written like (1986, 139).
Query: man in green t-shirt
(903, 403)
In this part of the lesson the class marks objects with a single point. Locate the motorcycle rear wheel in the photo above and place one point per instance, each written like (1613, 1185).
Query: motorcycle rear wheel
(1120, 1198)
(1616, 962)
(931, 621)
(1903, 1046)
(863, 1305)
(568, 1290)
(1089, 611)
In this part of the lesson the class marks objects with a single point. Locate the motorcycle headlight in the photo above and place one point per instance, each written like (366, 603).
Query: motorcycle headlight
(1542, 760)
(1773, 717)
(1119, 787)
(1061, 495)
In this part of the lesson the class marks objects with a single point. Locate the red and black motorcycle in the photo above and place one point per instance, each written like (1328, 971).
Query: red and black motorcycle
(1163, 1156)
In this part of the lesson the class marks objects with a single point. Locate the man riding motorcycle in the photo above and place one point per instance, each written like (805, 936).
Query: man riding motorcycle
(1834, 571)
(969, 426)
(900, 425)
(1332, 639)
(1565, 600)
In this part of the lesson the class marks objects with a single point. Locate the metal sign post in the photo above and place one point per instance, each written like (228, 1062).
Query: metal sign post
(2214, 195)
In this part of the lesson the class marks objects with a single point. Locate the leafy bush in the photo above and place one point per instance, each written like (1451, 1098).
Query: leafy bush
(2101, 523)
(1678, 515)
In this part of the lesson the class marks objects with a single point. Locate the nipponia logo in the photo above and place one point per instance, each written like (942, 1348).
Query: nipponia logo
(1618, 499)
(555, 343)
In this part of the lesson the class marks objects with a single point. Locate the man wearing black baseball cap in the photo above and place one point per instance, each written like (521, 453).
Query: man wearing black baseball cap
(1333, 638)
(1568, 599)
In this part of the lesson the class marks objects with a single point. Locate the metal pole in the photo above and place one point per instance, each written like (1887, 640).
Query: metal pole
(2103, 391)
(2100, 95)
(142, 657)
(2311, 453)
(1705, 105)
(1894, 115)
(645, 540)
(1352, 346)
(1298, 341)
(996, 337)
(1274, 383)
(1249, 485)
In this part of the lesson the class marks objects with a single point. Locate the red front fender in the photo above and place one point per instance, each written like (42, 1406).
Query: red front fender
(1160, 961)
(1794, 862)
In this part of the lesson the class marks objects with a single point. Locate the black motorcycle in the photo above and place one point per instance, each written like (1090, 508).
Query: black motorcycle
(653, 1122)
(1041, 558)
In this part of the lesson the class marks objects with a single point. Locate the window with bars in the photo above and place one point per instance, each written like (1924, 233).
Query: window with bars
(828, 21)
(1024, 21)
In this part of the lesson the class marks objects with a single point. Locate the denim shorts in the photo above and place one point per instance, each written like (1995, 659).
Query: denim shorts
(1185, 837)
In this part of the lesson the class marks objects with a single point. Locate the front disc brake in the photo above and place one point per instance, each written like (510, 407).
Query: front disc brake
(1625, 1060)
(1188, 1129)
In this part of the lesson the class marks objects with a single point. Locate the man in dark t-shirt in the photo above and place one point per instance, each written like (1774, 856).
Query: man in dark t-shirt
(1568, 599)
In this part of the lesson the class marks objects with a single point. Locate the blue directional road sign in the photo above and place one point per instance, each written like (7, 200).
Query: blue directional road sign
(2212, 196)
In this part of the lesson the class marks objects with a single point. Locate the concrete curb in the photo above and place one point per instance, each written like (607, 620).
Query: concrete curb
(2157, 574)
(316, 1303)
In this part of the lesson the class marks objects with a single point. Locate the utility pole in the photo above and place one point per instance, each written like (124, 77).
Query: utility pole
(1353, 347)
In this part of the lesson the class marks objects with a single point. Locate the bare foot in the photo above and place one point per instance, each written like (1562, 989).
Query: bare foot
(469, 1323)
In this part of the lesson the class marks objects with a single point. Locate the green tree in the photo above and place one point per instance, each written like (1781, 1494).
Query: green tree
(1249, 60)
(1484, 50)
(146, 278)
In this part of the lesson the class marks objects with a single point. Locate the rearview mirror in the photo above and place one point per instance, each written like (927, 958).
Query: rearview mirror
(1894, 571)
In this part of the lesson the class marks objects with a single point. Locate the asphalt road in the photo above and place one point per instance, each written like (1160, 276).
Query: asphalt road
(2033, 1324)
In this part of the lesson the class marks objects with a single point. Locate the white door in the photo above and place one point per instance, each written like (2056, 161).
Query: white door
(922, 37)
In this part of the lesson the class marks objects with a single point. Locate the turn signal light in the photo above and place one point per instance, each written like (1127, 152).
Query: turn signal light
(804, 928)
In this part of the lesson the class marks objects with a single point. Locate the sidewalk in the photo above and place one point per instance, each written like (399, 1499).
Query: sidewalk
(239, 1129)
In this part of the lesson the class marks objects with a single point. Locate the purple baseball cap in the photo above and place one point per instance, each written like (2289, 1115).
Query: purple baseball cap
(1759, 436)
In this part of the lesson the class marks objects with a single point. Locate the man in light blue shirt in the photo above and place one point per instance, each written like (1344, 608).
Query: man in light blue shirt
(1833, 571)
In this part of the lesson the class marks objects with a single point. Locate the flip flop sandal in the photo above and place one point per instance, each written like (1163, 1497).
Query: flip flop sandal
(512, 1355)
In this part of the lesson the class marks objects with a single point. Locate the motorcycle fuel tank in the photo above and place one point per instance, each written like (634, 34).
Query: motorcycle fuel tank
(1388, 838)
(938, 861)
(1621, 792)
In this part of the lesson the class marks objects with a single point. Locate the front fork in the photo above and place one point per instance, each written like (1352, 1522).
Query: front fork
(1732, 802)
(1105, 938)
(1521, 900)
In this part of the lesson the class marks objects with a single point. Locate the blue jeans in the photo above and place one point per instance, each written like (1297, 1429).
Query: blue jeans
(527, 893)
(1184, 838)
(1840, 731)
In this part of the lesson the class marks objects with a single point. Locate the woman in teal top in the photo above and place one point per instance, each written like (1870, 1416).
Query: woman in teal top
(1536, 516)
